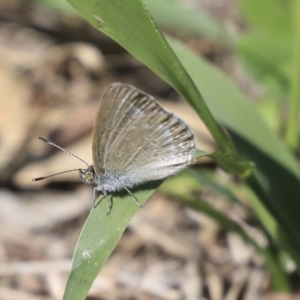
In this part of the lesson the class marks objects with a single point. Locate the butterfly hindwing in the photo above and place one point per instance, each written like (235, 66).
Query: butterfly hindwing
(135, 137)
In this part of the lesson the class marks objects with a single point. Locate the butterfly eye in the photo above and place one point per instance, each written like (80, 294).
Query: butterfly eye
(90, 177)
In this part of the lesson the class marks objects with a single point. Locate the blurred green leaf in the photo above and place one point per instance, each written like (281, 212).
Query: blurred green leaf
(266, 45)
(279, 278)
(269, 108)
(213, 185)
(276, 178)
(185, 185)
(272, 16)
(62, 6)
(174, 15)
(266, 66)
(292, 132)
(271, 51)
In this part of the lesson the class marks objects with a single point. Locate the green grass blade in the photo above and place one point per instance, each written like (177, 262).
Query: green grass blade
(98, 239)
(100, 235)
(276, 179)
(130, 24)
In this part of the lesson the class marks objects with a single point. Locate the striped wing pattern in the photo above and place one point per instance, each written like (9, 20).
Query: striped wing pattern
(135, 138)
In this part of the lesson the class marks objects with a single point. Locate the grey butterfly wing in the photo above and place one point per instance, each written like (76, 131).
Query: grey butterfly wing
(136, 140)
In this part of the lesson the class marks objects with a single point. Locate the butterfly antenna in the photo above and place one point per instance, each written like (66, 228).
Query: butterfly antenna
(44, 177)
(50, 143)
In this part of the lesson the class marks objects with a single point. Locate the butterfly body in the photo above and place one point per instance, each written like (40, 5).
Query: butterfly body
(105, 182)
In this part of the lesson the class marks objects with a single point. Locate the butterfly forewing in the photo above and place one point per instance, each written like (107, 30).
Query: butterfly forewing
(135, 137)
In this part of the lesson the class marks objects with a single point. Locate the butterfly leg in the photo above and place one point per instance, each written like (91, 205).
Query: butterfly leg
(107, 197)
(132, 195)
(95, 198)
(110, 203)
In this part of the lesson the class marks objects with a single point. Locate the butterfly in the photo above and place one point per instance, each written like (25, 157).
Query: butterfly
(135, 140)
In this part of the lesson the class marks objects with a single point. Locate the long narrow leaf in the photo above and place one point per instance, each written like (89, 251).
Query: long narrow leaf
(130, 24)
(99, 237)
(276, 179)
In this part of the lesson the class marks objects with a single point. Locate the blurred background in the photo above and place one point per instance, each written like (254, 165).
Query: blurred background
(54, 67)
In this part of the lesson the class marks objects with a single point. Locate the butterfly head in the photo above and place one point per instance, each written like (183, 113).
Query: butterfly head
(87, 175)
